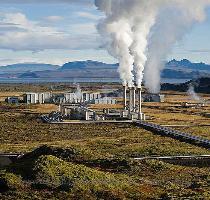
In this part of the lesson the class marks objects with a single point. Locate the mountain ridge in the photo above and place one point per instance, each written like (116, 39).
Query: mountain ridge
(24, 67)
(183, 69)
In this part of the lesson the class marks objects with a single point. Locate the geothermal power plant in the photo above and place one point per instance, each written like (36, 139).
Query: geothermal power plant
(132, 106)
(80, 105)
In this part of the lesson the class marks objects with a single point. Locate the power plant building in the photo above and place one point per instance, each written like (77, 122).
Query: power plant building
(154, 98)
(12, 100)
(37, 98)
(72, 98)
(105, 100)
(88, 97)
(79, 113)
(81, 98)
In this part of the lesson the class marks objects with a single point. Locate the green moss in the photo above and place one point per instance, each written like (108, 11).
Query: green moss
(10, 181)
(80, 180)
(157, 165)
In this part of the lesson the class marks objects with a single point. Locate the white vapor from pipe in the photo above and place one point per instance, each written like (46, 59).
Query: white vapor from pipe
(127, 24)
(175, 19)
(144, 16)
(142, 33)
(191, 92)
(118, 29)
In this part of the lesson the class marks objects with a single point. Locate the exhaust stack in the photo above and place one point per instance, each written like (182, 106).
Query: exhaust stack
(125, 97)
(140, 104)
(130, 100)
(134, 99)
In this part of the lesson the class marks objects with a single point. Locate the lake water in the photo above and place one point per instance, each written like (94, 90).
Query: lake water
(174, 81)
(78, 80)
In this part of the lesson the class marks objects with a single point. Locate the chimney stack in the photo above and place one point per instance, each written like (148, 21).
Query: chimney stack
(140, 103)
(130, 99)
(125, 97)
(134, 99)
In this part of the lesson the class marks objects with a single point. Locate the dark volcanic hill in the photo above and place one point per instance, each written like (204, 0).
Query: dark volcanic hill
(201, 85)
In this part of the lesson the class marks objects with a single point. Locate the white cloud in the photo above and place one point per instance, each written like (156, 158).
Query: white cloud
(87, 2)
(19, 33)
(53, 18)
(87, 28)
(87, 15)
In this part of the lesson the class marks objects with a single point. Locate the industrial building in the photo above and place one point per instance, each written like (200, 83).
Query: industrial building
(72, 98)
(77, 112)
(74, 106)
(90, 97)
(37, 98)
(68, 97)
(12, 100)
(154, 98)
(83, 97)
(132, 107)
(105, 100)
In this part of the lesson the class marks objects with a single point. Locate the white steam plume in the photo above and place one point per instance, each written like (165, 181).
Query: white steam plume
(192, 94)
(141, 30)
(118, 29)
(121, 34)
(176, 18)
(78, 92)
(128, 24)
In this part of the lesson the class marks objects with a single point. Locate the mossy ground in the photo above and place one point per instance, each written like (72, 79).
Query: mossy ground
(78, 156)
(58, 173)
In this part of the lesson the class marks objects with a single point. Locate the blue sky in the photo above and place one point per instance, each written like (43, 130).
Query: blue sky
(56, 32)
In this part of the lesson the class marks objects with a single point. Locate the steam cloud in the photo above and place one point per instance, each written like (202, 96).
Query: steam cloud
(78, 92)
(192, 94)
(141, 33)
(174, 21)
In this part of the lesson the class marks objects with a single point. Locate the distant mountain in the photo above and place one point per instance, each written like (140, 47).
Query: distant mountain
(89, 64)
(25, 67)
(186, 64)
(181, 74)
(174, 69)
(183, 69)
(28, 75)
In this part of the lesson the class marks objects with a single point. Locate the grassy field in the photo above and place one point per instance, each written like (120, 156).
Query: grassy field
(173, 113)
(95, 161)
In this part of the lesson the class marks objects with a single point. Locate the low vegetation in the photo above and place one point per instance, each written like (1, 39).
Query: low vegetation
(59, 173)
(95, 161)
